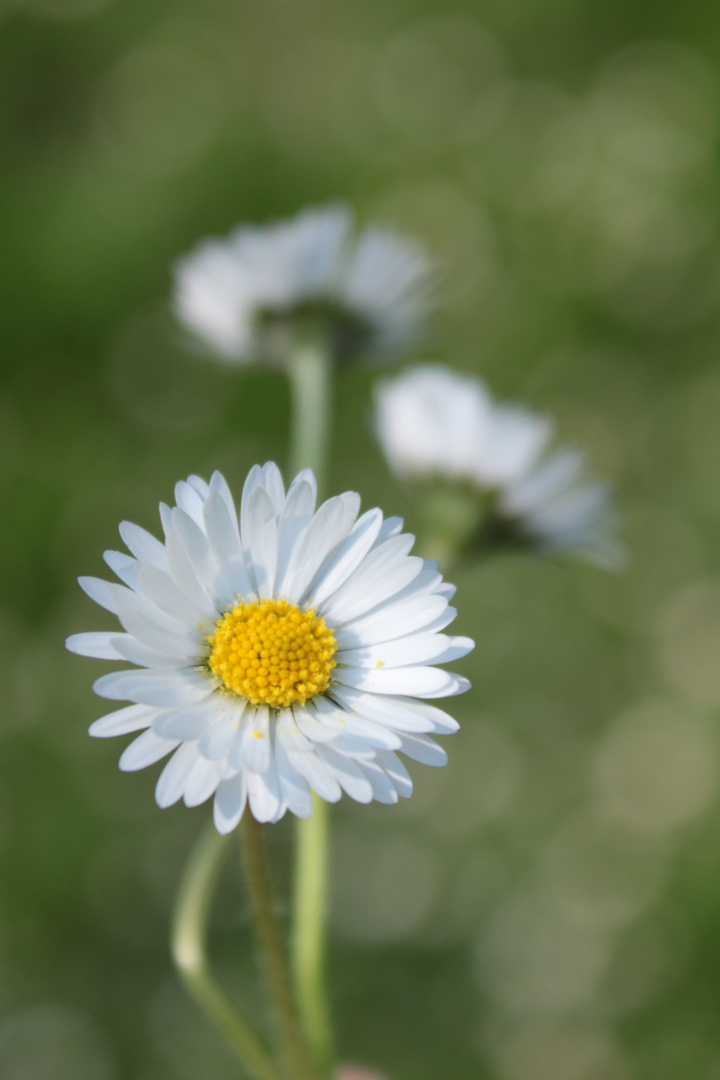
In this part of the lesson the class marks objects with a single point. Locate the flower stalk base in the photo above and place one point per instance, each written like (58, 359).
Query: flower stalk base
(294, 1053)
(188, 945)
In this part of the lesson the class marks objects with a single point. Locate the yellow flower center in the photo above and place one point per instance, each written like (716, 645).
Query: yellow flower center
(272, 653)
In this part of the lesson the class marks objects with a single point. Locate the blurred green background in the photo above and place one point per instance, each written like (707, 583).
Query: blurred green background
(548, 907)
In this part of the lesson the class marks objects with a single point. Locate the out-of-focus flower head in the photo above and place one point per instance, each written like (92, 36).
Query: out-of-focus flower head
(437, 425)
(248, 297)
(279, 650)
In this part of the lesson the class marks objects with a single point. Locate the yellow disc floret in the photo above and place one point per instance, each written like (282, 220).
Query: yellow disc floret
(272, 653)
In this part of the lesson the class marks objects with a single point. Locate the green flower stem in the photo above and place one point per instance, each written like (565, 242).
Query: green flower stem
(188, 946)
(310, 932)
(310, 372)
(272, 949)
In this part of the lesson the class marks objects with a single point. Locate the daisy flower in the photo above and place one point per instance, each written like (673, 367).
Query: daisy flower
(278, 653)
(246, 297)
(434, 423)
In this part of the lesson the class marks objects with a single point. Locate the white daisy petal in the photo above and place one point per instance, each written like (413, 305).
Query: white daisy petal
(371, 734)
(185, 576)
(416, 681)
(261, 698)
(225, 543)
(395, 713)
(216, 741)
(446, 589)
(400, 714)
(123, 722)
(321, 721)
(189, 721)
(264, 795)
(351, 507)
(305, 476)
(254, 480)
(294, 788)
(171, 782)
(189, 500)
(255, 739)
(193, 539)
(355, 747)
(198, 484)
(328, 528)
(219, 486)
(274, 486)
(164, 688)
(202, 782)
(390, 527)
(449, 615)
(97, 645)
(319, 776)
(384, 790)
(313, 726)
(259, 537)
(388, 621)
(170, 642)
(130, 601)
(105, 593)
(160, 589)
(348, 774)
(427, 583)
(287, 729)
(386, 571)
(165, 517)
(146, 750)
(442, 722)
(416, 649)
(303, 758)
(421, 748)
(397, 772)
(143, 545)
(349, 724)
(235, 756)
(126, 568)
(137, 653)
(348, 557)
(230, 799)
(292, 526)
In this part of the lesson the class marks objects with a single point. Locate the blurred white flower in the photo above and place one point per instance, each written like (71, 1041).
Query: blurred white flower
(277, 653)
(247, 297)
(555, 504)
(434, 423)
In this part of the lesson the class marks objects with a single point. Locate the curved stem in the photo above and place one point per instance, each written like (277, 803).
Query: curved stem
(188, 945)
(310, 371)
(294, 1051)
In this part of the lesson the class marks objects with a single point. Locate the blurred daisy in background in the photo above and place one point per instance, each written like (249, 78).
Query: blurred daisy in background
(252, 295)
(277, 653)
(437, 426)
